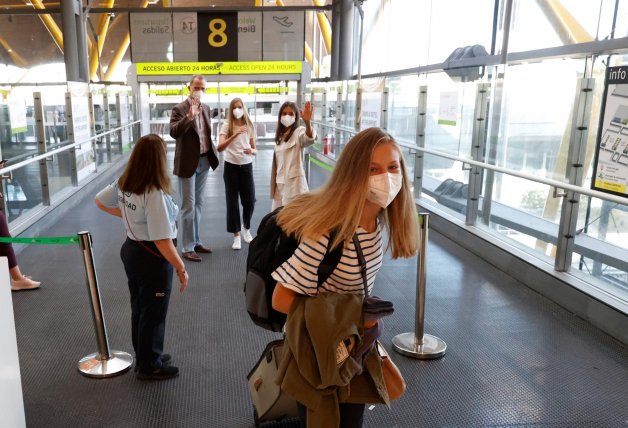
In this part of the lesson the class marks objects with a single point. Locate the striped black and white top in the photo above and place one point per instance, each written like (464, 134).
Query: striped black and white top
(300, 272)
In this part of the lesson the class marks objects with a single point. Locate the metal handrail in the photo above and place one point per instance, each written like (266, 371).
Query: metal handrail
(63, 149)
(340, 128)
(554, 183)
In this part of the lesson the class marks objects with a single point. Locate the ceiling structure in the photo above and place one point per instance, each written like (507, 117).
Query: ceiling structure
(31, 37)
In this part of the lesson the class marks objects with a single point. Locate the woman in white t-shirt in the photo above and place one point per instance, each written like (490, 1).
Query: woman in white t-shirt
(369, 188)
(141, 197)
(238, 142)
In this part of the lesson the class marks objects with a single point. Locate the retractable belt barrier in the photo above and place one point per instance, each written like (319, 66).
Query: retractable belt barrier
(104, 363)
(418, 344)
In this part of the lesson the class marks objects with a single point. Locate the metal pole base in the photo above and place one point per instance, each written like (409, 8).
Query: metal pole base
(92, 366)
(429, 348)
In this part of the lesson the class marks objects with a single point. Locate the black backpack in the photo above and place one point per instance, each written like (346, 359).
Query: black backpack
(267, 251)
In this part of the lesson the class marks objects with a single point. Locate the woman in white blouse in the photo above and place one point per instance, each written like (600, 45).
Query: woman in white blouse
(238, 143)
(287, 178)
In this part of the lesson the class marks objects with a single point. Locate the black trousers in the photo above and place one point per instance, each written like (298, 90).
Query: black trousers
(239, 184)
(150, 284)
(351, 415)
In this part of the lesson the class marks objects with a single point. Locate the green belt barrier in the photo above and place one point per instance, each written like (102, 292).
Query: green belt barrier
(57, 240)
(321, 164)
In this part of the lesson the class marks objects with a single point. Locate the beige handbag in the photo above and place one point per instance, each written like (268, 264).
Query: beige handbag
(395, 384)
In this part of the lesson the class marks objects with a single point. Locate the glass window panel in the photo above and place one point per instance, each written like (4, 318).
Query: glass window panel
(537, 25)
(448, 17)
(621, 29)
(517, 214)
(23, 191)
(348, 103)
(59, 166)
(396, 35)
(403, 98)
(536, 117)
(449, 118)
(601, 246)
(445, 182)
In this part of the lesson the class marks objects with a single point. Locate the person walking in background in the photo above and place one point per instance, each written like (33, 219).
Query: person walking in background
(369, 188)
(238, 142)
(19, 281)
(141, 196)
(287, 177)
(194, 155)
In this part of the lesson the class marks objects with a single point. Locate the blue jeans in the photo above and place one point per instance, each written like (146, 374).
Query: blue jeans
(191, 191)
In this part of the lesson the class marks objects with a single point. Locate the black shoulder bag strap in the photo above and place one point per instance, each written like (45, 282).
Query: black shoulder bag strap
(362, 261)
(330, 259)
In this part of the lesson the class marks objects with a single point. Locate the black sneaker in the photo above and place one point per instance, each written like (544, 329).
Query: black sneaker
(165, 372)
(165, 360)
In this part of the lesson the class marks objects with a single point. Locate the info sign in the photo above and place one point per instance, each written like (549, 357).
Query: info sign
(611, 157)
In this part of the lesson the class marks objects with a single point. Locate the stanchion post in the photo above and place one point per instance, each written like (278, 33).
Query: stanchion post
(104, 363)
(418, 344)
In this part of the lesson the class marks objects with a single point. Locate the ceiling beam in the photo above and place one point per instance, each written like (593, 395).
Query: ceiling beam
(101, 36)
(49, 23)
(17, 59)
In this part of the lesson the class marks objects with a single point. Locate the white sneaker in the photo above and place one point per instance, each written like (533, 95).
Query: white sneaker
(237, 244)
(246, 235)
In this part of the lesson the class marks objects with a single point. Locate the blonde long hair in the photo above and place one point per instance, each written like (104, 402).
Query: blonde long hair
(339, 203)
(230, 118)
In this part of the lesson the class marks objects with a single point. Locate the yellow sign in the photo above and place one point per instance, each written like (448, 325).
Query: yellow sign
(186, 68)
(607, 185)
(223, 90)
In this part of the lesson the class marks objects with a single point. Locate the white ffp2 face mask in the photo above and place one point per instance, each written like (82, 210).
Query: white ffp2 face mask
(383, 188)
(196, 95)
(238, 113)
(287, 120)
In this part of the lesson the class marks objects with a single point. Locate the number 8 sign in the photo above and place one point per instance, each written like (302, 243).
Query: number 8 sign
(218, 36)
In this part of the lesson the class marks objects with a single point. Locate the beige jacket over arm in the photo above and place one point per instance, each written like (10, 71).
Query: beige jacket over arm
(308, 370)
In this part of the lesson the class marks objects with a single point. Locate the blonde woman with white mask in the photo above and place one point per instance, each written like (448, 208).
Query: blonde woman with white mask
(238, 143)
(287, 178)
(369, 190)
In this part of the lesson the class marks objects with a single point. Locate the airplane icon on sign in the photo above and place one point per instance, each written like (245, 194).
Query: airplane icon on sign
(283, 21)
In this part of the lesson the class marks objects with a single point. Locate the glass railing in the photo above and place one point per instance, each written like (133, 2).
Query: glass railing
(54, 138)
(24, 181)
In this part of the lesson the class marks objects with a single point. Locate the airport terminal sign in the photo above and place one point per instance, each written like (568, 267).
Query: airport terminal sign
(187, 68)
(151, 36)
(611, 157)
(217, 36)
(185, 35)
(284, 34)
